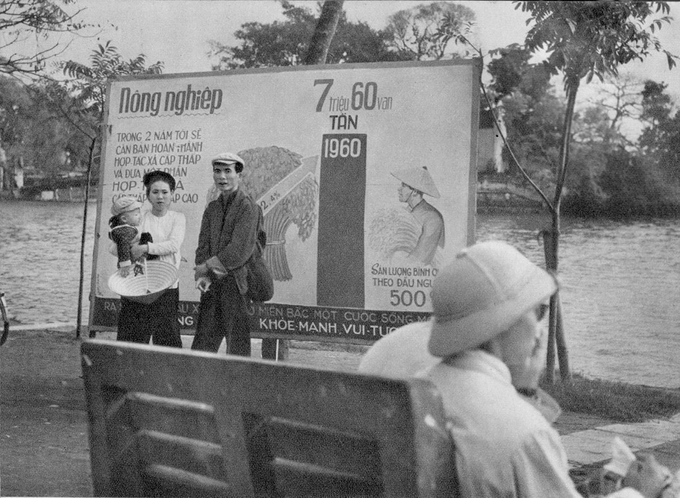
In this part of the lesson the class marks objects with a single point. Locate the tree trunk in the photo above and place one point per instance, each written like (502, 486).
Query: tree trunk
(79, 319)
(556, 337)
(331, 11)
(5, 178)
(324, 32)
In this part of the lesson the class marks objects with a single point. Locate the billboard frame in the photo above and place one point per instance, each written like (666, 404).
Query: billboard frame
(191, 307)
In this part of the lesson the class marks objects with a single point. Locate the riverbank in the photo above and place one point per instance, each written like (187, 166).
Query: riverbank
(63, 194)
(44, 423)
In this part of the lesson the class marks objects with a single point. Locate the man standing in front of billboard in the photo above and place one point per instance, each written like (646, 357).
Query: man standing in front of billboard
(415, 183)
(226, 241)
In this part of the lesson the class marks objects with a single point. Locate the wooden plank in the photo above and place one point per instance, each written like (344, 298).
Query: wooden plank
(304, 479)
(343, 452)
(181, 453)
(169, 481)
(173, 416)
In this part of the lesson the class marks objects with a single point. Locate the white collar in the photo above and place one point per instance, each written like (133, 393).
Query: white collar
(488, 364)
(483, 362)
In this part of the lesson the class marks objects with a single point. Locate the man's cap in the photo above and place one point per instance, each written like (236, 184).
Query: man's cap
(124, 204)
(227, 158)
(481, 294)
(419, 179)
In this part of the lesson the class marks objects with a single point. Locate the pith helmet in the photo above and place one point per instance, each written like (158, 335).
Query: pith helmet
(484, 291)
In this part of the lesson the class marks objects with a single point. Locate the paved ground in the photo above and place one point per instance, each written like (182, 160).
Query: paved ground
(43, 425)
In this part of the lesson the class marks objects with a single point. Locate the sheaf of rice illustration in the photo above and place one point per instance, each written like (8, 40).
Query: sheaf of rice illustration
(264, 168)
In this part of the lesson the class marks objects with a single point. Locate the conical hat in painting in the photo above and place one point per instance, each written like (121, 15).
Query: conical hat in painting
(419, 179)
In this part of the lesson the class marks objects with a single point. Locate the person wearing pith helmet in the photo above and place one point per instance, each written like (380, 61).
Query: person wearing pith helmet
(415, 184)
(227, 239)
(487, 326)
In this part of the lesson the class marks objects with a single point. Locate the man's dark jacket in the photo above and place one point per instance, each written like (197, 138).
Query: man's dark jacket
(228, 236)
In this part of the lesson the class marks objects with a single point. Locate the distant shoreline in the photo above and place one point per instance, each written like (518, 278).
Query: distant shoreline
(73, 195)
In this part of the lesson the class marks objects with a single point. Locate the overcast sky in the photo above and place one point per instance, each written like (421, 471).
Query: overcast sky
(177, 32)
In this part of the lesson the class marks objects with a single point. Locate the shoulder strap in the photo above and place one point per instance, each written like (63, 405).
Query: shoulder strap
(261, 240)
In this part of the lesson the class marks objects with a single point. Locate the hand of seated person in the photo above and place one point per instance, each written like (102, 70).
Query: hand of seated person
(672, 489)
(648, 476)
(124, 271)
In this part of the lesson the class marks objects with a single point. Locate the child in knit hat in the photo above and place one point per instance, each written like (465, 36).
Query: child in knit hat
(127, 216)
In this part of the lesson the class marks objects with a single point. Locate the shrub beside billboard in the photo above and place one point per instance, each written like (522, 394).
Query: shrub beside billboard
(327, 151)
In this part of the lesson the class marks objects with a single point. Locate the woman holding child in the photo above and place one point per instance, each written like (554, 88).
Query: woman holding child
(139, 322)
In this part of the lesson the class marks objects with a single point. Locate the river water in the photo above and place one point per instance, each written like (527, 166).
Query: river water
(620, 282)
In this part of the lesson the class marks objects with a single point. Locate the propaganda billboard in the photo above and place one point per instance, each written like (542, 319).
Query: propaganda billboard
(327, 150)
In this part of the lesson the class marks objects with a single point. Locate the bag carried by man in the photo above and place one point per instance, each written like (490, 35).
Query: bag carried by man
(254, 273)
(260, 281)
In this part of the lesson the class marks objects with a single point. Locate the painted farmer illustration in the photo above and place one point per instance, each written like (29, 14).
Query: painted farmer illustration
(415, 184)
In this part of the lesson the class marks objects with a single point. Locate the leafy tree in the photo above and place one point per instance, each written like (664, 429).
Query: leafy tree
(594, 136)
(48, 145)
(12, 99)
(22, 20)
(424, 32)
(276, 44)
(668, 147)
(532, 118)
(14, 115)
(290, 42)
(533, 129)
(660, 139)
(87, 85)
(32, 135)
(593, 126)
(358, 42)
(585, 40)
(586, 200)
(656, 109)
(511, 72)
(611, 175)
(656, 105)
(593, 141)
(85, 94)
(532, 113)
(14, 112)
(630, 185)
(530, 108)
(620, 100)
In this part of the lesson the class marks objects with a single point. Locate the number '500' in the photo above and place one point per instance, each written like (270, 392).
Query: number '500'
(341, 147)
(407, 298)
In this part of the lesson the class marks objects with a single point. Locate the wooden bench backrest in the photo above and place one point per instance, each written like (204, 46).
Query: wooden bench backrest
(171, 422)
